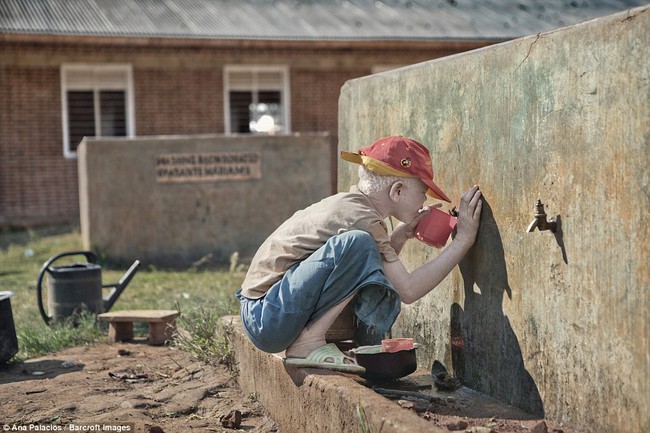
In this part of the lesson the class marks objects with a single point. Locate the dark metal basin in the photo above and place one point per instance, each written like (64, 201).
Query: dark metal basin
(382, 366)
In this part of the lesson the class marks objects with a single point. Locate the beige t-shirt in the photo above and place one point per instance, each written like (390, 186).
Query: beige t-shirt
(307, 230)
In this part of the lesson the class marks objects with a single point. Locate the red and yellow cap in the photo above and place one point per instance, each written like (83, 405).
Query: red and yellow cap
(398, 156)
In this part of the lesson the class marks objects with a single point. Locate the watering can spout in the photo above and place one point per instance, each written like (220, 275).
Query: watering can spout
(119, 286)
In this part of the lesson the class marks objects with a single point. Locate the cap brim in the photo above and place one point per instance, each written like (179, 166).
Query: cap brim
(435, 191)
(373, 164)
(351, 157)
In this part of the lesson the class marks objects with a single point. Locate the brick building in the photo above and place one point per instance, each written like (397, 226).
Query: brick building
(70, 69)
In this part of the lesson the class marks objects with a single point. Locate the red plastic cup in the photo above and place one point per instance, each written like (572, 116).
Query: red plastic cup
(435, 228)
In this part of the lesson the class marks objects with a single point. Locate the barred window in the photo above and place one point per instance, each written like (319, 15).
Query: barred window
(256, 99)
(96, 103)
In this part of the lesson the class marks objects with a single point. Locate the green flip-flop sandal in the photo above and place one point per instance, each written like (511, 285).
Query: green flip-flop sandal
(318, 358)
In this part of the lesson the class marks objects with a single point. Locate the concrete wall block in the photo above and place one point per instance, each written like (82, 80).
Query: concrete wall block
(554, 323)
(128, 212)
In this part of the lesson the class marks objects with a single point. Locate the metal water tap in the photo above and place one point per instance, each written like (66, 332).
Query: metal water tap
(541, 222)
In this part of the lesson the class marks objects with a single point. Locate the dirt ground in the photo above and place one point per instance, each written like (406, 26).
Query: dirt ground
(153, 389)
(124, 387)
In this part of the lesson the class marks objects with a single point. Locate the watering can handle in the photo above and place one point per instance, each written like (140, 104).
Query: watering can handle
(90, 256)
(120, 286)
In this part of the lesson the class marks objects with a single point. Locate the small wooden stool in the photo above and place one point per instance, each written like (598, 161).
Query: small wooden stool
(162, 324)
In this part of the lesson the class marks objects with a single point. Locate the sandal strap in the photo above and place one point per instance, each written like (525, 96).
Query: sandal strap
(328, 351)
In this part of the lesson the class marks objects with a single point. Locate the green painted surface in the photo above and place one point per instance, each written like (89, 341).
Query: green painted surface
(554, 323)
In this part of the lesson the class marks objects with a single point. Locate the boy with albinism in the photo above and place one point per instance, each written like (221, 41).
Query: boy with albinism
(317, 261)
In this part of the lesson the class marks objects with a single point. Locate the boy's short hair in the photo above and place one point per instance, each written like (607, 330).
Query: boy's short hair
(371, 183)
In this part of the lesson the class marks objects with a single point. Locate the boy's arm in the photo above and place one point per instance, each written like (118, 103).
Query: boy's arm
(398, 237)
(411, 286)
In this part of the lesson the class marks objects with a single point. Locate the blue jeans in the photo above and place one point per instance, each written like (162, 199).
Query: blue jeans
(346, 264)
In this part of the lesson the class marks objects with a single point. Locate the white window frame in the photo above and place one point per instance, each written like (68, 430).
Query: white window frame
(285, 91)
(96, 85)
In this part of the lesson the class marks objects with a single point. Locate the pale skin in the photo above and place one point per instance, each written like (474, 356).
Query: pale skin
(404, 200)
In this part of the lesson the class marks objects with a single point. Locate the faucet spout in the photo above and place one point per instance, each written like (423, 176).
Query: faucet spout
(532, 226)
(541, 222)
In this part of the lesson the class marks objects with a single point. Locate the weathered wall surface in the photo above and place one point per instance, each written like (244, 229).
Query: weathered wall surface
(555, 323)
(166, 201)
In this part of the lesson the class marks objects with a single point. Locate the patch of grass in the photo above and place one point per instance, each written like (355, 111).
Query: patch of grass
(202, 295)
(205, 336)
(40, 338)
(204, 333)
(364, 427)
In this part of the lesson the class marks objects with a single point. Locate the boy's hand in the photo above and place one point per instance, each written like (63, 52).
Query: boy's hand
(405, 231)
(469, 217)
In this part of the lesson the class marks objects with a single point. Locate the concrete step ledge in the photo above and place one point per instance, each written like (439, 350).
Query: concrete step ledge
(315, 400)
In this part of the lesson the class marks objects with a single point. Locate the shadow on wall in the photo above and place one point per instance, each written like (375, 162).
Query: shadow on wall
(485, 352)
